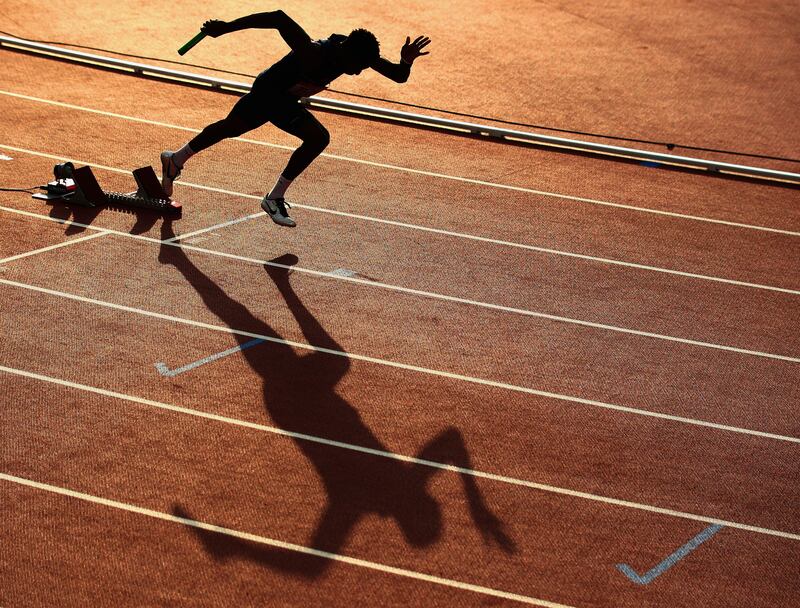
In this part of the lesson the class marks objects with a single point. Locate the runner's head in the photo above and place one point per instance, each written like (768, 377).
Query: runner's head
(359, 50)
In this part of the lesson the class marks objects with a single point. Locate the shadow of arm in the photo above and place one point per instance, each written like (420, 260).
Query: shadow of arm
(312, 329)
(448, 448)
(214, 297)
(329, 537)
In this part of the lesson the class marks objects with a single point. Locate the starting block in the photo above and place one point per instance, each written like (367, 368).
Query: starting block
(80, 187)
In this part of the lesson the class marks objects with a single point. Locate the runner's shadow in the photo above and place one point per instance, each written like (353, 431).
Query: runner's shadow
(300, 396)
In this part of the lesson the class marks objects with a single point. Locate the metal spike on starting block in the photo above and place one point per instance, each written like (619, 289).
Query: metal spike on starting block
(150, 194)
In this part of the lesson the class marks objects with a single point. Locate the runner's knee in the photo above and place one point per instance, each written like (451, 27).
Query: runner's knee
(319, 139)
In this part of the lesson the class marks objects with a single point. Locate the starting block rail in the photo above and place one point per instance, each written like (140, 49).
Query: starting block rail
(80, 187)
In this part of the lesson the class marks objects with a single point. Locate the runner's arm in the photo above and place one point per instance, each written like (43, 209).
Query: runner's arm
(399, 72)
(290, 31)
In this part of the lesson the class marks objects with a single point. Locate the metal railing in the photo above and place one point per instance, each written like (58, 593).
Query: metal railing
(408, 118)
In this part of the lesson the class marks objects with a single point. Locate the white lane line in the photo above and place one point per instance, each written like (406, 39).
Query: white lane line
(555, 252)
(501, 308)
(345, 559)
(216, 227)
(479, 304)
(51, 247)
(410, 459)
(415, 171)
(449, 233)
(408, 367)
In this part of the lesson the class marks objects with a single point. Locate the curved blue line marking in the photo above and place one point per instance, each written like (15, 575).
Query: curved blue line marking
(171, 373)
(673, 559)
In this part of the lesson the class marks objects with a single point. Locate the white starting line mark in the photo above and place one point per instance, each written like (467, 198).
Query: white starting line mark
(183, 237)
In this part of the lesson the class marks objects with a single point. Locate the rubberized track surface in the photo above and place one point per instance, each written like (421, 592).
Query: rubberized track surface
(492, 375)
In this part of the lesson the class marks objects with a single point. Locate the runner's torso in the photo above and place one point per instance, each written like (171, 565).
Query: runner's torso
(307, 73)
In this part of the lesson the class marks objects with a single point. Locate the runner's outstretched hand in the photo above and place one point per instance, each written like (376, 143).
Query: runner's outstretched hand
(412, 50)
(214, 28)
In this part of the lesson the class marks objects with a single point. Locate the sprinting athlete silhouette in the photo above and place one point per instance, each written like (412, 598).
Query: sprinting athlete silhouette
(307, 69)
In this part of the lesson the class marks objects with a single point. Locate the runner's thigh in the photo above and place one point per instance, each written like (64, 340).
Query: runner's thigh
(251, 111)
(298, 121)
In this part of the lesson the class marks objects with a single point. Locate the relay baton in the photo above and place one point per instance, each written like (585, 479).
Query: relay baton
(185, 48)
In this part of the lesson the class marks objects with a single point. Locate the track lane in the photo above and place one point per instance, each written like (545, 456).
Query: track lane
(74, 553)
(612, 459)
(728, 315)
(252, 483)
(681, 244)
(684, 380)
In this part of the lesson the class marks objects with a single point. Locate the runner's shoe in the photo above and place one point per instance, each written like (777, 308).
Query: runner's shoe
(169, 171)
(276, 208)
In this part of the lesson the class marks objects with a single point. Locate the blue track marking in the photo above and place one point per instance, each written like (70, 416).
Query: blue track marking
(673, 559)
(170, 373)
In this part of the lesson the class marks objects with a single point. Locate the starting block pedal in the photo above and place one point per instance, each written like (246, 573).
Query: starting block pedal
(80, 187)
(149, 195)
